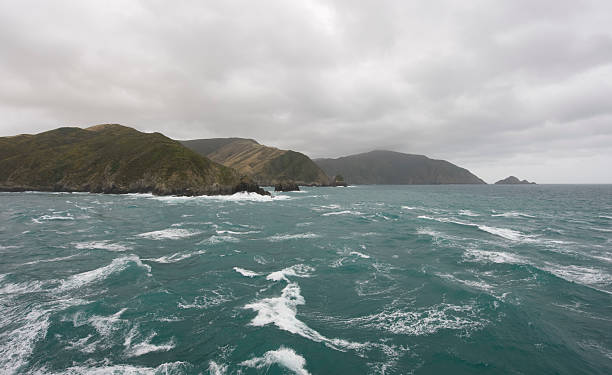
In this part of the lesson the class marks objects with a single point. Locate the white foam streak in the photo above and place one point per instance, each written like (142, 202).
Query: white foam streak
(117, 265)
(284, 357)
(346, 212)
(176, 257)
(361, 255)
(285, 237)
(101, 245)
(513, 214)
(169, 234)
(215, 368)
(145, 346)
(508, 234)
(245, 272)
(298, 270)
(237, 197)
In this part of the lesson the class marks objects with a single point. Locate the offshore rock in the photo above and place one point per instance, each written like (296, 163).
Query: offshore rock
(512, 180)
(286, 186)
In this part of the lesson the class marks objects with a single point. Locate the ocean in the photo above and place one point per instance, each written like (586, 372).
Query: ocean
(358, 280)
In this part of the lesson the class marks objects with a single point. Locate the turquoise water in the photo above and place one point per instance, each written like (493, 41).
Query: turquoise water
(370, 279)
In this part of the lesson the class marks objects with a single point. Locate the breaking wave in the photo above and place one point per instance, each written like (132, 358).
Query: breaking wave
(169, 234)
(284, 357)
(101, 245)
(285, 237)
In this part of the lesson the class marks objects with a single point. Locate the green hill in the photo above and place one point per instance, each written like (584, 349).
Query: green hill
(266, 165)
(111, 159)
(395, 168)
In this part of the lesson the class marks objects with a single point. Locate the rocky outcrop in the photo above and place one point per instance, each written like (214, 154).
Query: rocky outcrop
(338, 180)
(112, 158)
(286, 186)
(512, 180)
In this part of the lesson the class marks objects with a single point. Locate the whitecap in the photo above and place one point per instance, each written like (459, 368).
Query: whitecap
(164, 368)
(513, 214)
(345, 212)
(215, 368)
(176, 257)
(298, 270)
(284, 357)
(245, 272)
(117, 265)
(285, 237)
(423, 321)
(210, 299)
(281, 311)
(493, 257)
(467, 213)
(102, 245)
(361, 255)
(234, 232)
(237, 197)
(145, 346)
(52, 218)
(17, 345)
(581, 275)
(58, 259)
(169, 234)
(219, 239)
(509, 234)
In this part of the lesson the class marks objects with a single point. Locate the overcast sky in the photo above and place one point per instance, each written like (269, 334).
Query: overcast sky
(499, 87)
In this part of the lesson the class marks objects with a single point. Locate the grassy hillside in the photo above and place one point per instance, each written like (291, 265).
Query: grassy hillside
(109, 158)
(266, 165)
(395, 168)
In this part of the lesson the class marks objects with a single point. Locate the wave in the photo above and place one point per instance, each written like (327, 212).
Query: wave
(104, 325)
(117, 265)
(16, 346)
(605, 217)
(285, 237)
(361, 255)
(42, 218)
(169, 234)
(467, 213)
(245, 272)
(284, 357)
(215, 368)
(165, 368)
(424, 321)
(59, 259)
(298, 270)
(212, 298)
(145, 346)
(493, 257)
(237, 197)
(219, 239)
(102, 245)
(176, 257)
(509, 234)
(346, 212)
(282, 311)
(514, 214)
(587, 276)
(234, 232)
(601, 229)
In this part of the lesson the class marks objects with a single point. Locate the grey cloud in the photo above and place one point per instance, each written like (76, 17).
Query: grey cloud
(493, 86)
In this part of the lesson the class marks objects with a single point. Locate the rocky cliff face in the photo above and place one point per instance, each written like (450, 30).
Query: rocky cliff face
(266, 165)
(111, 159)
(395, 168)
(512, 180)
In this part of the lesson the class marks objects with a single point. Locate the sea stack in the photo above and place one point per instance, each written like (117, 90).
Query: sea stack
(512, 180)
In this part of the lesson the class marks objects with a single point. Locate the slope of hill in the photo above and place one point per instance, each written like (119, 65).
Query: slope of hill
(110, 158)
(266, 165)
(395, 168)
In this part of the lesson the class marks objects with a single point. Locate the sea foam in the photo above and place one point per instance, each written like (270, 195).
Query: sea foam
(245, 272)
(284, 357)
(285, 237)
(101, 245)
(117, 265)
(169, 234)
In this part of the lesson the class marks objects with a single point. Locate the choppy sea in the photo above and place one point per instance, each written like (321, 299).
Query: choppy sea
(358, 280)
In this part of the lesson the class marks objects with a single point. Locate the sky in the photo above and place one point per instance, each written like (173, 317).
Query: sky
(517, 87)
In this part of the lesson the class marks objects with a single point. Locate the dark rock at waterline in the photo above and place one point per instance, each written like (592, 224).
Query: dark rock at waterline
(286, 186)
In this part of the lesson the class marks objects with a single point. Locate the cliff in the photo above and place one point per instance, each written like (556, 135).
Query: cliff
(266, 165)
(111, 158)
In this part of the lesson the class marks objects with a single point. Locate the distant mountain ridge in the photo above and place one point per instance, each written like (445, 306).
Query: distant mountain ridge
(111, 158)
(395, 168)
(266, 165)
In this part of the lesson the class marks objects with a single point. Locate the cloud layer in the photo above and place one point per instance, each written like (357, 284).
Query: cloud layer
(508, 87)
